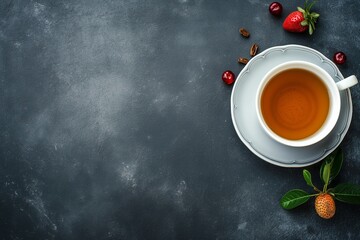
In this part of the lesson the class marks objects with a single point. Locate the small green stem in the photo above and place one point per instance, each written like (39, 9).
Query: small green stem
(316, 189)
(325, 187)
(315, 194)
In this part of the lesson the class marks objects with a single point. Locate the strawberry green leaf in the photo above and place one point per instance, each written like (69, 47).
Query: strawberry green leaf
(315, 15)
(311, 29)
(294, 198)
(312, 24)
(309, 17)
(304, 23)
(346, 192)
(300, 9)
(311, 5)
(307, 177)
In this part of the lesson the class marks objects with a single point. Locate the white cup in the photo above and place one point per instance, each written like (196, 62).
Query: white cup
(333, 90)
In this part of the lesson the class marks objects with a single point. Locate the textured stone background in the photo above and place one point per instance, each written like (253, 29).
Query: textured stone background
(115, 124)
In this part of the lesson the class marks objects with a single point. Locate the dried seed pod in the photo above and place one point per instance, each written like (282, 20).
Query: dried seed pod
(245, 33)
(243, 60)
(254, 49)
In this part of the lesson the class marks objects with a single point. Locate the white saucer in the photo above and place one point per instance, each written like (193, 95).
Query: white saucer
(246, 123)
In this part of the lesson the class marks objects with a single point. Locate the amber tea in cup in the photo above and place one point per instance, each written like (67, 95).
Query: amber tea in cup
(298, 103)
(295, 103)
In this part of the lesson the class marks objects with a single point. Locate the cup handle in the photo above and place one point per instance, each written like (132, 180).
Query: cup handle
(347, 82)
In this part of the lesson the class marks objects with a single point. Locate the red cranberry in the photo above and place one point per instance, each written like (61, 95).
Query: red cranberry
(228, 77)
(275, 8)
(339, 58)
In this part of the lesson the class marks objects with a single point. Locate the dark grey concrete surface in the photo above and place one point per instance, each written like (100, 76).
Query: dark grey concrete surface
(115, 123)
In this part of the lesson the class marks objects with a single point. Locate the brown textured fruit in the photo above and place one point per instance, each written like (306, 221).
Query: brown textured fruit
(325, 205)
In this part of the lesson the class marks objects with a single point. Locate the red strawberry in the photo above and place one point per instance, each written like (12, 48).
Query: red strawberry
(301, 20)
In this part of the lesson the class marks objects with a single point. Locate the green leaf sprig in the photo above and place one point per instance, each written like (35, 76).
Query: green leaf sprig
(310, 18)
(330, 168)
